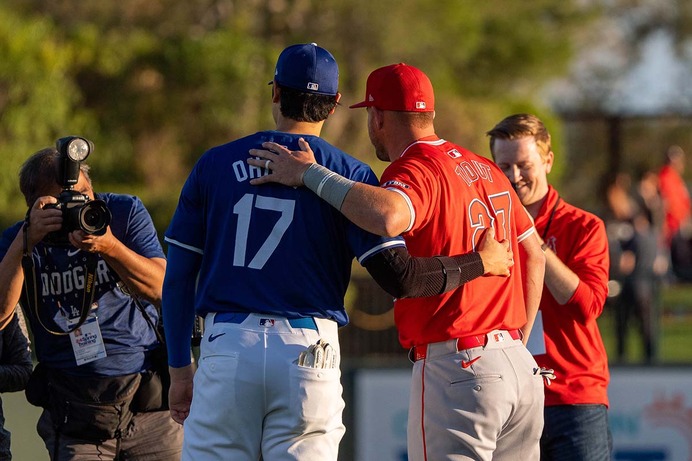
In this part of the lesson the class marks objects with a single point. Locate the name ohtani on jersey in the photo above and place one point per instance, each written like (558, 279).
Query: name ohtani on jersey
(242, 171)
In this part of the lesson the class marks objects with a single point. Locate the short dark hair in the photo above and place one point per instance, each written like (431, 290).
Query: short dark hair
(41, 170)
(305, 107)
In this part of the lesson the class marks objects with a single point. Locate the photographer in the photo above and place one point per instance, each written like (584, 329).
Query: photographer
(89, 295)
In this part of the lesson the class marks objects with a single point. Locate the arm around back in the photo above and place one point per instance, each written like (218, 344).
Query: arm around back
(533, 273)
(405, 276)
(377, 210)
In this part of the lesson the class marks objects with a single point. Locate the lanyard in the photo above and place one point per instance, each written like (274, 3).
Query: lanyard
(550, 219)
(31, 287)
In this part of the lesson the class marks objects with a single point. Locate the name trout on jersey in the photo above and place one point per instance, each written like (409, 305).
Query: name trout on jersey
(469, 171)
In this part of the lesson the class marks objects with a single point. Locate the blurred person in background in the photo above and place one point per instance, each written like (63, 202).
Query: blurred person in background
(633, 222)
(677, 225)
(15, 369)
(618, 217)
(651, 263)
(566, 337)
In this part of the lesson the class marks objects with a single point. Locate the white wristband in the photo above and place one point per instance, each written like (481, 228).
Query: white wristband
(329, 186)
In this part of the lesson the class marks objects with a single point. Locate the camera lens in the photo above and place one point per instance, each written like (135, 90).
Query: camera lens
(94, 217)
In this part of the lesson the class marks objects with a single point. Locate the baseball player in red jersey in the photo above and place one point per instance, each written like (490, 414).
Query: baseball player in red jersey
(474, 393)
(576, 277)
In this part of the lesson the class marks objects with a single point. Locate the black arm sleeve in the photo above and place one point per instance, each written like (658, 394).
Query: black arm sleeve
(404, 276)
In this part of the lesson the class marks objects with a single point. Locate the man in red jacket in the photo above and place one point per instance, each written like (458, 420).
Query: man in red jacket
(574, 292)
(676, 197)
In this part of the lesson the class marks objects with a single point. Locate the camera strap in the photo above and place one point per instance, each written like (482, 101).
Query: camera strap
(31, 285)
(156, 327)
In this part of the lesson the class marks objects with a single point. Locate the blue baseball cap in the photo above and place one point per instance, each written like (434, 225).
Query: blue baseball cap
(309, 68)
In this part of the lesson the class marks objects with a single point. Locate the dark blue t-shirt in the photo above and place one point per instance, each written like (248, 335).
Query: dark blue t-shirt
(270, 249)
(60, 278)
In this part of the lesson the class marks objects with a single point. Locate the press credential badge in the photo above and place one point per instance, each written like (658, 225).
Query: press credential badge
(87, 342)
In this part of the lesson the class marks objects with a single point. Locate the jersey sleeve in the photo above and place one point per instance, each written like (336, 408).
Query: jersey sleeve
(132, 224)
(590, 261)
(522, 217)
(141, 233)
(363, 243)
(186, 229)
(8, 237)
(178, 303)
(412, 178)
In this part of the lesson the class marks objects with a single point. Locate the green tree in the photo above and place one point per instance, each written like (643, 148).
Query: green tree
(37, 97)
(155, 83)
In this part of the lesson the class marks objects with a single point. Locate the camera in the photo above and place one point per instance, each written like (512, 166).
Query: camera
(79, 212)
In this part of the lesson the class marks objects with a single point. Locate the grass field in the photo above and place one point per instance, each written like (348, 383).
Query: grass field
(676, 330)
(20, 419)
(675, 348)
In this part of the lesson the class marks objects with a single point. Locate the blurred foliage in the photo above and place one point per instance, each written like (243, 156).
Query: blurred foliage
(154, 83)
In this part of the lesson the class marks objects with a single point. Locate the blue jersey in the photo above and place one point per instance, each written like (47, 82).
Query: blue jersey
(270, 249)
(60, 278)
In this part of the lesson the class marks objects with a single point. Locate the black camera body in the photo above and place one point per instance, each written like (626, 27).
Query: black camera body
(79, 212)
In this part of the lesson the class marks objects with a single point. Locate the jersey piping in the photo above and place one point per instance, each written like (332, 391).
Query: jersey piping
(412, 211)
(379, 248)
(183, 245)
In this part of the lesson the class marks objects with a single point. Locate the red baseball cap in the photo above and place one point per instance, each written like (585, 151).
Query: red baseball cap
(399, 87)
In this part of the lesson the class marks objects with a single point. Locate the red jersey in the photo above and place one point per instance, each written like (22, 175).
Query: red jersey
(676, 199)
(454, 195)
(573, 344)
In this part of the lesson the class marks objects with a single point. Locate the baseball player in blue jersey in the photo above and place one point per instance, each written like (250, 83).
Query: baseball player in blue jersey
(268, 269)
